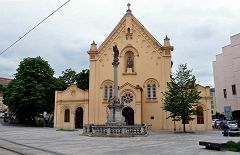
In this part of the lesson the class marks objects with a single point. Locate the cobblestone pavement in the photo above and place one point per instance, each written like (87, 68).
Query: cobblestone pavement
(47, 141)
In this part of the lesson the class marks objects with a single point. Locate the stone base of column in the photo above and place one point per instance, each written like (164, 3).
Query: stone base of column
(115, 118)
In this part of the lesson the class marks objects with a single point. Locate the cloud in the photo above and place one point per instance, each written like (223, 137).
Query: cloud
(197, 29)
(7, 66)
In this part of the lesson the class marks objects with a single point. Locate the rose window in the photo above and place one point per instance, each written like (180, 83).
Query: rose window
(127, 98)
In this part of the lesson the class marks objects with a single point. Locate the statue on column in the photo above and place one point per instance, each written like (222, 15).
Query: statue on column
(116, 53)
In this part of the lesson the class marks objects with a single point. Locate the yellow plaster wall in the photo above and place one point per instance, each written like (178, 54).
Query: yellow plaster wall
(151, 61)
(71, 99)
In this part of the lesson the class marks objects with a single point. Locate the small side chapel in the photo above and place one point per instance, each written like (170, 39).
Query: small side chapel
(143, 73)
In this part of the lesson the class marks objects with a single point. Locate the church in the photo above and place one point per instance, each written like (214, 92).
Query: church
(144, 70)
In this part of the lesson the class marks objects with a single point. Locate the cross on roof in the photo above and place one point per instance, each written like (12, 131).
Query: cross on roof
(128, 6)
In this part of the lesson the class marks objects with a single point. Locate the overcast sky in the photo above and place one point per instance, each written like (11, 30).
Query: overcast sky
(198, 30)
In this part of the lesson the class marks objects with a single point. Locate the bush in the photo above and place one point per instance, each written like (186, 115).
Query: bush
(237, 134)
(233, 146)
(238, 146)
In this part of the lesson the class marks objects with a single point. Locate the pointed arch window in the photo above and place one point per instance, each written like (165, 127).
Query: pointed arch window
(151, 91)
(200, 116)
(108, 91)
(67, 115)
(151, 86)
(105, 91)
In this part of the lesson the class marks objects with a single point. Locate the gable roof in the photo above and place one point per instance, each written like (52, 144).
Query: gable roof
(121, 25)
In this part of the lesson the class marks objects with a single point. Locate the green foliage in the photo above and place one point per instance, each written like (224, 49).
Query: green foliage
(2, 88)
(32, 90)
(182, 95)
(60, 85)
(82, 79)
(68, 76)
(233, 146)
(238, 146)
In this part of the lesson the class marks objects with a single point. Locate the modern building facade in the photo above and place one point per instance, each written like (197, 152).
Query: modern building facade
(226, 70)
(143, 73)
(213, 102)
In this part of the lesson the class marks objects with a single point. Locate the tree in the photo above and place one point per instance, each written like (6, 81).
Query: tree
(32, 91)
(82, 79)
(2, 88)
(60, 85)
(68, 76)
(181, 96)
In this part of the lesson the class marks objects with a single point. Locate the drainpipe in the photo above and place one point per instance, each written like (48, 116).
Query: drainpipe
(141, 101)
(88, 106)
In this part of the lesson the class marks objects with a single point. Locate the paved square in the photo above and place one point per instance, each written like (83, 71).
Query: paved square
(48, 141)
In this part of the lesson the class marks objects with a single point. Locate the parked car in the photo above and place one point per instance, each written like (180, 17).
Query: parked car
(215, 123)
(232, 125)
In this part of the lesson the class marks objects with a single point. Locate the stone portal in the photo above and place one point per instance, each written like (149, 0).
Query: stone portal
(79, 118)
(128, 113)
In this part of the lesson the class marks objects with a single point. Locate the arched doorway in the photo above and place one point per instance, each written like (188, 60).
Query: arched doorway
(79, 118)
(128, 113)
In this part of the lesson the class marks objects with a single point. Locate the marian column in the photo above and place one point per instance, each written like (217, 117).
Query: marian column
(115, 115)
(115, 64)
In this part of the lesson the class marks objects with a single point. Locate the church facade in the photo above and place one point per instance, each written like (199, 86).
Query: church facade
(143, 73)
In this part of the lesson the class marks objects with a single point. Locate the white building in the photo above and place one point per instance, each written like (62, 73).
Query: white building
(226, 70)
(213, 102)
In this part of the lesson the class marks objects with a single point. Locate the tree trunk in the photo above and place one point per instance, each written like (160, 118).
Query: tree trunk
(34, 120)
(174, 125)
(184, 129)
(21, 117)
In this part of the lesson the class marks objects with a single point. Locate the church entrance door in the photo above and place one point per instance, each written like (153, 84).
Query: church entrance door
(128, 113)
(79, 118)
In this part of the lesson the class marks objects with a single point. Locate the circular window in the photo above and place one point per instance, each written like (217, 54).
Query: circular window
(127, 97)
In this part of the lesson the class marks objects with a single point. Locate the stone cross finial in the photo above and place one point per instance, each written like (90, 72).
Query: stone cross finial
(128, 6)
